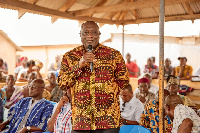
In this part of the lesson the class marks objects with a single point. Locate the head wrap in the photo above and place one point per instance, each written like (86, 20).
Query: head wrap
(24, 57)
(143, 80)
(173, 80)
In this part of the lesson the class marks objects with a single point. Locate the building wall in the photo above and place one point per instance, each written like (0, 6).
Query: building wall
(8, 54)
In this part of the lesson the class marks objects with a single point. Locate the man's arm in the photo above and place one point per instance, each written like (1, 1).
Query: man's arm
(32, 129)
(3, 125)
(186, 126)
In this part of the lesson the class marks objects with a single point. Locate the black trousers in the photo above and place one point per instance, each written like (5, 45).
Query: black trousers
(112, 130)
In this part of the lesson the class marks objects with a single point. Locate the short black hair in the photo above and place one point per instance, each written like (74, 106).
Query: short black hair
(30, 62)
(129, 88)
(1, 60)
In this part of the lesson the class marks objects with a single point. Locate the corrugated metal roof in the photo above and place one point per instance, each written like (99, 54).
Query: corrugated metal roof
(109, 11)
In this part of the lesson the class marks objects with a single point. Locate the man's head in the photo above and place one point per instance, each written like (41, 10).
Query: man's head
(31, 77)
(30, 63)
(143, 85)
(36, 88)
(127, 93)
(149, 62)
(1, 62)
(171, 102)
(167, 62)
(90, 34)
(128, 56)
(148, 75)
(52, 78)
(153, 59)
(24, 60)
(182, 60)
(173, 84)
(10, 81)
(67, 93)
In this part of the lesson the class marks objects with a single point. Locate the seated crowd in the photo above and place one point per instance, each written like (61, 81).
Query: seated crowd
(39, 107)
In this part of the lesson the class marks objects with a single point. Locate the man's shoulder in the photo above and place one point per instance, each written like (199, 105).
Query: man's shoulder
(76, 49)
(135, 101)
(189, 67)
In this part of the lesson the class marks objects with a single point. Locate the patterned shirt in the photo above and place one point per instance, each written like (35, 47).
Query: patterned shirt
(183, 112)
(187, 71)
(24, 114)
(1, 109)
(63, 119)
(150, 118)
(56, 94)
(153, 70)
(46, 94)
(95, 95)
(16, 96)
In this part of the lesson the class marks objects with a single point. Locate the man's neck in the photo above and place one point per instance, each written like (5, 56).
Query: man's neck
(37, 98)
(10, 88)
(128, 61)
(52, 84)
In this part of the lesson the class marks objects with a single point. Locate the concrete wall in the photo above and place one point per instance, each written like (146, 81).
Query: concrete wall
(8, 54)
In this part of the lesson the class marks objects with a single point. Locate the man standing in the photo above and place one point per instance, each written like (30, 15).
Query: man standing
(29, 114)
(95, 94)
(131, 107)
(183, 71)
(131, 66)
(185, 119)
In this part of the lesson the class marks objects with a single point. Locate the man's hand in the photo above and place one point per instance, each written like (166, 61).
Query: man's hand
(23, 130)
(142, 98)
(87, 57)
(2, 126)
(62, 101)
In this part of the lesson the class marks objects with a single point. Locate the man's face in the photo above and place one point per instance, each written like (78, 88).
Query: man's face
(144, 88)
(1, 63)
(126, 95)
(67, 93)
(52, 78)
(36, 89)
(149, 62)
(90, 34)
(24, 62)
(128, 56)
(31, 77)
(173, 88)
(182, 61)
(167, 62)
(10, 81)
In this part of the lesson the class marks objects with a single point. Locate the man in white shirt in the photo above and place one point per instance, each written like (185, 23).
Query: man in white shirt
(131, 107)
(185, 119)
(153, 88)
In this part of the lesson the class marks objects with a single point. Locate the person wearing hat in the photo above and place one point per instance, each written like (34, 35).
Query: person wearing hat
(183, 71)
(144, 95)
(23, 60)
(174, 86)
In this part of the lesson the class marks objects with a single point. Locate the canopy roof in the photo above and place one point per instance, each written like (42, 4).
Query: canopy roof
(108, 11)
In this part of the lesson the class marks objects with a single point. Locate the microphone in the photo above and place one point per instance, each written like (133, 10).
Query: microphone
(89, 49)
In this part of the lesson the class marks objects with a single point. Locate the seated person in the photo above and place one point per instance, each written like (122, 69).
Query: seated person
(144, 95)
(25, 89)
(173, 87)
(10, 93)
(185, 119)
(57, 65)
(53, 88)
(153, 88)
(168, 68)
(131, 108)
(23, 66)
(183, 71)
(150, 116)
(29, 114)
(131, 66)
(151, 68)
(58, 123)
(23, 73)
(3, 67)
(1, 110)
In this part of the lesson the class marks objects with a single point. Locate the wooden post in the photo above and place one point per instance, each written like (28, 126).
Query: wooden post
(161, 65)
(123, 40)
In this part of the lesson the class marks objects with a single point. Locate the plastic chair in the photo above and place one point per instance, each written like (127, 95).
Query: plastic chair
(133, 129)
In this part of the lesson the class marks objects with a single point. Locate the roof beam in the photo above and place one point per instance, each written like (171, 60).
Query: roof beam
(16, 5)
(126, 6)
(188, 8)
(169, 18)
(21, 12)
(63, 8)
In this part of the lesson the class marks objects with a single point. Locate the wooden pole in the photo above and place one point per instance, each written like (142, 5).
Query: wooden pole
(161, 65)
(123, 40)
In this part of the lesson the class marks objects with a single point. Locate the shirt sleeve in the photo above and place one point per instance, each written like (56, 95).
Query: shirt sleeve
(190, 71)
(1, 109)
(68, 72)
(121, 72)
